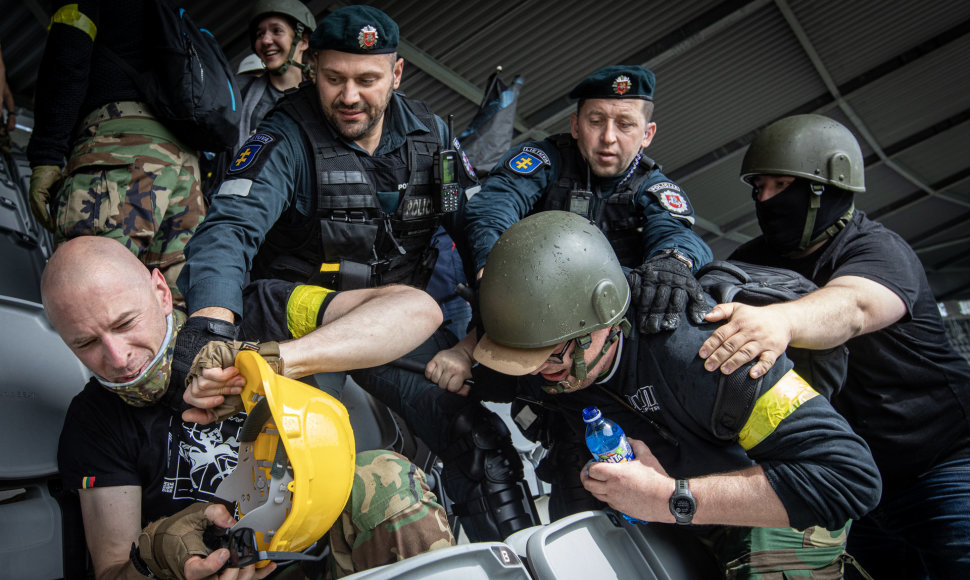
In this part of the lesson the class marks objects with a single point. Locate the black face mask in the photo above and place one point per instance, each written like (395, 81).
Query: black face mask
(783, 217)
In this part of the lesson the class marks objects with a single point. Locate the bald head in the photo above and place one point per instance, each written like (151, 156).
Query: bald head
(109, 309)
(86, 266)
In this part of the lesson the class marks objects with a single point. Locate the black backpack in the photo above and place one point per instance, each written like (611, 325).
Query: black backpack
(191, 87)
(735, 281)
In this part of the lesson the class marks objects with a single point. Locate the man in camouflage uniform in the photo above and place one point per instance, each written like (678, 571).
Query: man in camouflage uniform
(126, 175)
(387, 518)
(135, 464)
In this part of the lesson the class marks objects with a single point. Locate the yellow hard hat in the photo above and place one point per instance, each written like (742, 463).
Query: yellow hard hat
(291, 496)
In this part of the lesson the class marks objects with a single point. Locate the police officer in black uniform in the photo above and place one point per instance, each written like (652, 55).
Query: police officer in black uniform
(342, 186)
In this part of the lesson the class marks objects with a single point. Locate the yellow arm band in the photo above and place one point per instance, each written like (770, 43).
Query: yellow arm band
(303, 309)
(773, 407)
(71, 16)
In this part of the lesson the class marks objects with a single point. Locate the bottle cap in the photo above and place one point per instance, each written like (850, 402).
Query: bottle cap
(591, 414)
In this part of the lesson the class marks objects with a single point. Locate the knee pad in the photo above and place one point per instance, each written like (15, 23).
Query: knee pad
(495, 501)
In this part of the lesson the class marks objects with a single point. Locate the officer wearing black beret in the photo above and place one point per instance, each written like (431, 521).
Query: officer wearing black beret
(337, 189)
(599, 171)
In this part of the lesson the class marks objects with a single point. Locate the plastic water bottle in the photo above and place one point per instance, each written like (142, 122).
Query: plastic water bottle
(607, 442)
(605, 439)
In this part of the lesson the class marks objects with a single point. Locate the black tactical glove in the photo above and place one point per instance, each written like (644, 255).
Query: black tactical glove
(662, 288)
(197, 332)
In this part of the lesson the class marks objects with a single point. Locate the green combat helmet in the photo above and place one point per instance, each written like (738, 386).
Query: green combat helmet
(809, 146)
(550, 278)
(823, 153)
(303, 21)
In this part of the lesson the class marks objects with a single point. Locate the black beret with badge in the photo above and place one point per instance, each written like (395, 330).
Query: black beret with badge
(617, 82)
(358, 30)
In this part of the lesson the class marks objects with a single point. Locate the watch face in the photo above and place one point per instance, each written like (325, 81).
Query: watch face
(683, 506)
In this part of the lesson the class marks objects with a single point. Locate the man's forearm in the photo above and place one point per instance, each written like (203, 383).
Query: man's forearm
(843, 309)
(741, 498)
(363, 329)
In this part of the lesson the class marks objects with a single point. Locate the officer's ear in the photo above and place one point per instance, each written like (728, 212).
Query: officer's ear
(397, 70)
(648, 135)
(574, 126)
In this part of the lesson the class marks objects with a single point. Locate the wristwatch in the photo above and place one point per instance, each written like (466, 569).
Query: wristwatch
(140, 566)
(682, 503)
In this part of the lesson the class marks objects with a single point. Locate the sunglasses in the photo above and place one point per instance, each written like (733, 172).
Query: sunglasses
(556, 357)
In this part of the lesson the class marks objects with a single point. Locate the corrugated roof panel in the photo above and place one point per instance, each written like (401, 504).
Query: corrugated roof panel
(940, 157)
(917, 95)
(853, 37)
(927, 215)
(717, 194)
(719, 90)
(883, 188)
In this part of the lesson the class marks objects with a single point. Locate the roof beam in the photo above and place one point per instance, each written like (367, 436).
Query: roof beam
(823, 101)
(694, 32)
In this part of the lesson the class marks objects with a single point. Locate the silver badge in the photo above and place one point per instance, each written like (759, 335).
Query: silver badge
(621, 85)
(367, 37)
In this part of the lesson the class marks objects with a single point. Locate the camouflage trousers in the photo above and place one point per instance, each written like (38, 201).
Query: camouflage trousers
(128, 178)
(391, 515)
(778, 553)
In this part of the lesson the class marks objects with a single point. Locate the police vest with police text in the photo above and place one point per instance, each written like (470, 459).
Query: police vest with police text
(348, 241)
(617, 216)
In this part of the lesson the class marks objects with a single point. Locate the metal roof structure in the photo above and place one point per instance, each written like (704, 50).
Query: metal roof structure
(895, 72)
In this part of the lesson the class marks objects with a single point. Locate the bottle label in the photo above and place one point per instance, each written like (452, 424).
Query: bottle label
(623, 452)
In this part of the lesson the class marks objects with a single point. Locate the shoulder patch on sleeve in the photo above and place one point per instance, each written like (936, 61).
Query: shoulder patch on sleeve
(252, 150)
(672, 198)
(528, 160)
(237, 187)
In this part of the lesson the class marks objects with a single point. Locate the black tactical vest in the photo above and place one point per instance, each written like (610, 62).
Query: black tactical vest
(347, 225)
(616, 216)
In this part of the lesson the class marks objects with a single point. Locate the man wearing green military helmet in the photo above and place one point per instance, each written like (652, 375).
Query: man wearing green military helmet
(907, 392)
(774, 471)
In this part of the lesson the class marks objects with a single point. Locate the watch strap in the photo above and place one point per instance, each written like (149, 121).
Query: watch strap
(682, 493)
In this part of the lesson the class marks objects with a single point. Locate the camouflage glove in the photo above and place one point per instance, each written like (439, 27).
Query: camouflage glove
(45, 180)
(223, 355)
(664, 287)
(167, 544)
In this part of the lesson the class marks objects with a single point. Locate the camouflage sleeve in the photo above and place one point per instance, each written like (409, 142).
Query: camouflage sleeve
(391, 515)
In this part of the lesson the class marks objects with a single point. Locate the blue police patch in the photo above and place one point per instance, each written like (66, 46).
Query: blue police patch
(245, 157)
(524, 163)
(249, 152)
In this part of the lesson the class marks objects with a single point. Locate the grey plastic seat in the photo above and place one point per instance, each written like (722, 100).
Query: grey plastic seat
(41, 535)
(480, 561)
(599, 545)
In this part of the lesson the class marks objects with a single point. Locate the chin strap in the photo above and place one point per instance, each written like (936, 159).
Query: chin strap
(289, 59)
(580, 370)
(807, 240)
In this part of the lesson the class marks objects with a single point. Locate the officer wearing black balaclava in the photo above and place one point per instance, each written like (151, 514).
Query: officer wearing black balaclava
(818, 200)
